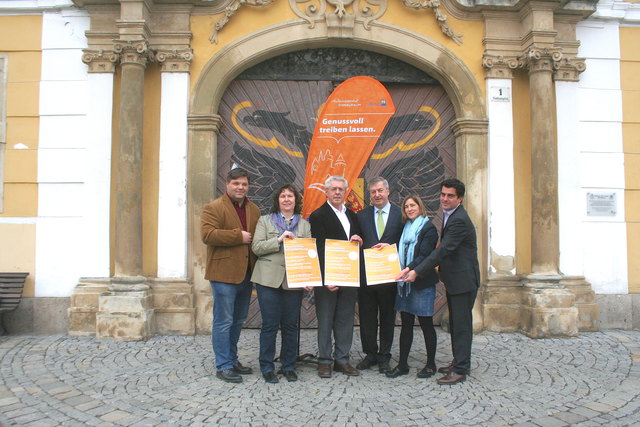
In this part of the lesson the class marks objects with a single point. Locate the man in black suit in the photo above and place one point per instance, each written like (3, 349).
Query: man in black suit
(335, 306)
(380, 223)
(457, 256)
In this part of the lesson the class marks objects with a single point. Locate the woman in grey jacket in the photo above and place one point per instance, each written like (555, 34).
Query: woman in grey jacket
(279, 305)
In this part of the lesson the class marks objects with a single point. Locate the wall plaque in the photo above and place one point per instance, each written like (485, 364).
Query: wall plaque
(602, 204)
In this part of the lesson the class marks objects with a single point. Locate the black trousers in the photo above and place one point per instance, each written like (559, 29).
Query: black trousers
(461, 329)
(376, 303)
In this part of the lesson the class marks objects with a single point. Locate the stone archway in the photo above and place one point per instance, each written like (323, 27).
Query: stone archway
(470, 126)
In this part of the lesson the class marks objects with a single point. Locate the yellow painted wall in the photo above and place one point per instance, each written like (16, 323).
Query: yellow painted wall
(18, 252)
(522, 168)
(250, 19)
(20, 40)
(630, 85)
(150, 170)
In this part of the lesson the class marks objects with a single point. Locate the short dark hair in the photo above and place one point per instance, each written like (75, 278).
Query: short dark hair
(422, 210)
(455, 184)
(237, 173)
(297, 207)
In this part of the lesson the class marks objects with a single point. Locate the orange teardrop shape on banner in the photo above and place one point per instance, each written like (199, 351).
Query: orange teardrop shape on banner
(347, 130)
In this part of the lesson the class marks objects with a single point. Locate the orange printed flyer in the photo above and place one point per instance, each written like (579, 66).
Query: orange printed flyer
(381, 265)
(301, 263)
(341, 263)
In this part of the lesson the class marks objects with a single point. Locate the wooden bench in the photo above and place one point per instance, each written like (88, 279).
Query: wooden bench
(11, 285)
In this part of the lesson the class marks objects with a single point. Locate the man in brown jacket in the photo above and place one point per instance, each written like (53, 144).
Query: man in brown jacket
(227, 225)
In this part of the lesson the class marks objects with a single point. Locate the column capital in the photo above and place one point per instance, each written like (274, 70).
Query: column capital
(174, 60)
(468, 126)
(205, 122)
(134, 52)
(500, 66)
(100, 61)
(569, 69)
(537, 59)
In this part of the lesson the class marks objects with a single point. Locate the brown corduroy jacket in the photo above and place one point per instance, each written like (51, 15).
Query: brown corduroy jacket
(221, 230)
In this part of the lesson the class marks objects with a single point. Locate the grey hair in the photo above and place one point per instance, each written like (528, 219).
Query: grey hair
(327, 182)
(378, 179)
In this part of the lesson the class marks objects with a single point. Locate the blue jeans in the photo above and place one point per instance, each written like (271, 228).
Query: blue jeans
(280, 309)
(230, 308)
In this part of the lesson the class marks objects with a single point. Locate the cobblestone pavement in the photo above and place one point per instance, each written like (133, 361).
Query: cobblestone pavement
(593, 379)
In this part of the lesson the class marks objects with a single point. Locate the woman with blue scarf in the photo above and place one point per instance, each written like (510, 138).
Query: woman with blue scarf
(419, 238)
(279, 305)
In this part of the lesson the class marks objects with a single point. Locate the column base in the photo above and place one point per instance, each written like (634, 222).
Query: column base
(502, 303)
(585, 302)
(125, 311)
(548, 308)
(173, 301)
(84, 303)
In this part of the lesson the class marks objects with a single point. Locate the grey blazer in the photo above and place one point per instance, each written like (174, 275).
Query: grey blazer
(269, 269)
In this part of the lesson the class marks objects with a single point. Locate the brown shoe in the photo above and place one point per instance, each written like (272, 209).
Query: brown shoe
(324, 370)
(346, 369)
(445, 369)
(451, 378)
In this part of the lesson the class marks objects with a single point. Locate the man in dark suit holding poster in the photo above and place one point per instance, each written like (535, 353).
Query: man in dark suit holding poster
(380, 223)
(335, 306)
(457, 256)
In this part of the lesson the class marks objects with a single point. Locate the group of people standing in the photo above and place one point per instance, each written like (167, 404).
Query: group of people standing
(245, 248)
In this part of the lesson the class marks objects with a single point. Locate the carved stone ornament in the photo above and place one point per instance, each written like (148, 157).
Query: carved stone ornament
(440, 17)
(135, 52)
(231, 10)
(501, 67)
(100, 61)
(365, 11)
(176, 60)
(541, 59)
(569, 69)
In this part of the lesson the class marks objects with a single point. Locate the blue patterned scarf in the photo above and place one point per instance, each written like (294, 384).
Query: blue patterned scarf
(406, 247)
(281, 224)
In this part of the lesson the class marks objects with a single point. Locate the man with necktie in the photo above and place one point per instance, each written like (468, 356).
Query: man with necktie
(457, 257)
(380, 223)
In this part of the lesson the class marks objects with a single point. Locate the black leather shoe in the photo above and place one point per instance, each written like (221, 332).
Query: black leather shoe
(290, 375)
(242, 370)
(366, 363)
(427, 371)
(270, 377)
(229, 376)
(383, 367)
(397, 371)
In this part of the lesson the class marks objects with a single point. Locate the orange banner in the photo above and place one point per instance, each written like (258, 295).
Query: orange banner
(347, 130)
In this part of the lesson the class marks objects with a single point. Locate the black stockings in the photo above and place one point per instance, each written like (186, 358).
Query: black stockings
(406, 338)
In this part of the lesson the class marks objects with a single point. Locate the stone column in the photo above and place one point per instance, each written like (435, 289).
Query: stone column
(471, 164)
(549, 308)
(201, 189)
(172, 293)
(125, 311)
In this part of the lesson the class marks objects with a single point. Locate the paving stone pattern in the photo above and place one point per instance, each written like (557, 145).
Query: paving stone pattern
(590, 380)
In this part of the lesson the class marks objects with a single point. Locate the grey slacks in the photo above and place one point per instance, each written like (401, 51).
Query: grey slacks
(335, 312)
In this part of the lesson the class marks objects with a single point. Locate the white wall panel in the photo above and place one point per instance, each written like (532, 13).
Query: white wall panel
(598, 39)
(64, 132)
(63, 65)
(61, 165)
(63, 98)
(605, 257)
(591, 78)
(600, 137)
(60, 254)
(65, 29)
(602, 170)
(59, 200)
(600, 105)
